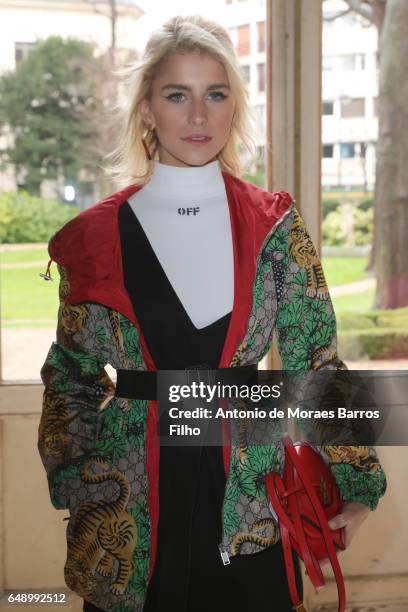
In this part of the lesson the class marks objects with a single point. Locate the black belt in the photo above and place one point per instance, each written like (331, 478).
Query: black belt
(141, 384)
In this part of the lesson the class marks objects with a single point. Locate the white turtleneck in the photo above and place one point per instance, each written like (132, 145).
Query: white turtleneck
(184, 213)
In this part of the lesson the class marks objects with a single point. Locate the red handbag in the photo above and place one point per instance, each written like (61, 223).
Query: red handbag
(305, 499)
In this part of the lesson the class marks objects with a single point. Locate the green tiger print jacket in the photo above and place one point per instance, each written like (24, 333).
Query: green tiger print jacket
(100, 451)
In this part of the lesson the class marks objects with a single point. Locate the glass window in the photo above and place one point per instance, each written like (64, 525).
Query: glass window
(347, 149)
(328, 108)
(352, 107)
(21, 50)
(261, 77)
(246, 70)
(243, 46)
(261, 36)
(328, 150)
(360, 149)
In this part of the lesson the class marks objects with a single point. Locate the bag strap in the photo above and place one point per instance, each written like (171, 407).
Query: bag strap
(317, 507)
(287, 530)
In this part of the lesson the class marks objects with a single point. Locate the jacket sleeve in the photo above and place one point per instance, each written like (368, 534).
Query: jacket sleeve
(75, 387)
(307, 340)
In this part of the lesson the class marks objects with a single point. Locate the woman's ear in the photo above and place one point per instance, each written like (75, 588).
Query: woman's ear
(146, 113)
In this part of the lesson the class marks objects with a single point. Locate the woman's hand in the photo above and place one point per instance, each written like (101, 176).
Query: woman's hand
(351, 516)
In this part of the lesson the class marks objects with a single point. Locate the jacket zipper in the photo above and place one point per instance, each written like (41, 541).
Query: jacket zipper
(223, 550)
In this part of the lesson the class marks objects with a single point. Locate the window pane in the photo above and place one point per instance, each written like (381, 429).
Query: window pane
(353, 107)
(247, 73)
(243, 46)
(21, 50)
(328, 150)
(261, 77)
(328, 108)
(261, 36)
(347, 149)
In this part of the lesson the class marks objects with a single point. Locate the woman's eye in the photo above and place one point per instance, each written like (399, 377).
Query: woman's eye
(214, 95)
(217, 95)
(175, 97)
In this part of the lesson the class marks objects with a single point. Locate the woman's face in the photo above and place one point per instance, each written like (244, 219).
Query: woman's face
(191, 107)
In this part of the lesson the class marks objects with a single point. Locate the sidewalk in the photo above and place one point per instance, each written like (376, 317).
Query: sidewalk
(357, 287)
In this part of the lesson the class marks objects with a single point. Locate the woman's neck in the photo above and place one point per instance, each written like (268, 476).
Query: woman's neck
(186, 183)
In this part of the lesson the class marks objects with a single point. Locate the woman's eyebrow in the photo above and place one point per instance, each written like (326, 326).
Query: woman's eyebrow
(186, 88)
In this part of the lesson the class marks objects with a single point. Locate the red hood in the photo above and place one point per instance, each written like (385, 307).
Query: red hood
(89, 249)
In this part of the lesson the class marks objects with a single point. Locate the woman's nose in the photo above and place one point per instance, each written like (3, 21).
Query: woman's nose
(198, 113)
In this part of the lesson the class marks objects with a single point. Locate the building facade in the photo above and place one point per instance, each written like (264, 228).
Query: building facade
(349, 87)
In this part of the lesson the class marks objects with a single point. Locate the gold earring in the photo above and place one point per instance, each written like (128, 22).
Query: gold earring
(144, 143)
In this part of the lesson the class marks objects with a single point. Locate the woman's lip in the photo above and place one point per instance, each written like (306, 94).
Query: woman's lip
(201, 141)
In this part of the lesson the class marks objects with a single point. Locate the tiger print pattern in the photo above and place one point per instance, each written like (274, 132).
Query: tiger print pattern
(118, 339)
(239, 353)
(302, 250)
(64, 286)
(54, 439)
(73, 318)
(253, 536)
(321, 356)
(102, 531)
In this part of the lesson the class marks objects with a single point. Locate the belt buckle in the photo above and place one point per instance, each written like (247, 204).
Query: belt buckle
(209, 373)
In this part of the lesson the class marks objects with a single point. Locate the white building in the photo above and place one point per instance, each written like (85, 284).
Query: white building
(245, 21)
(349, 87)
(350, 92)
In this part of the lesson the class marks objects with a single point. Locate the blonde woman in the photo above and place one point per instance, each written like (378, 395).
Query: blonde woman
(187, 267)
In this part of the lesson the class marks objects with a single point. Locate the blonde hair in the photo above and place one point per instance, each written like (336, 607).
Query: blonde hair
(195, 33)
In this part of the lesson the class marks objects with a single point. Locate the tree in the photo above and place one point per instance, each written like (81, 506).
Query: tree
(391, 196)
(46, 104)
(108, 85)
(390, 252)
(102, 118)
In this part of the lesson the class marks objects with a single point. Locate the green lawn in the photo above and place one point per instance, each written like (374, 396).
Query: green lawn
(343, 270)
(28, 255)
(357, 302)
(25, 295)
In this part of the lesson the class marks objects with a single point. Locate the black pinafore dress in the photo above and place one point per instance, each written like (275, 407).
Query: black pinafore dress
(189, 575)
